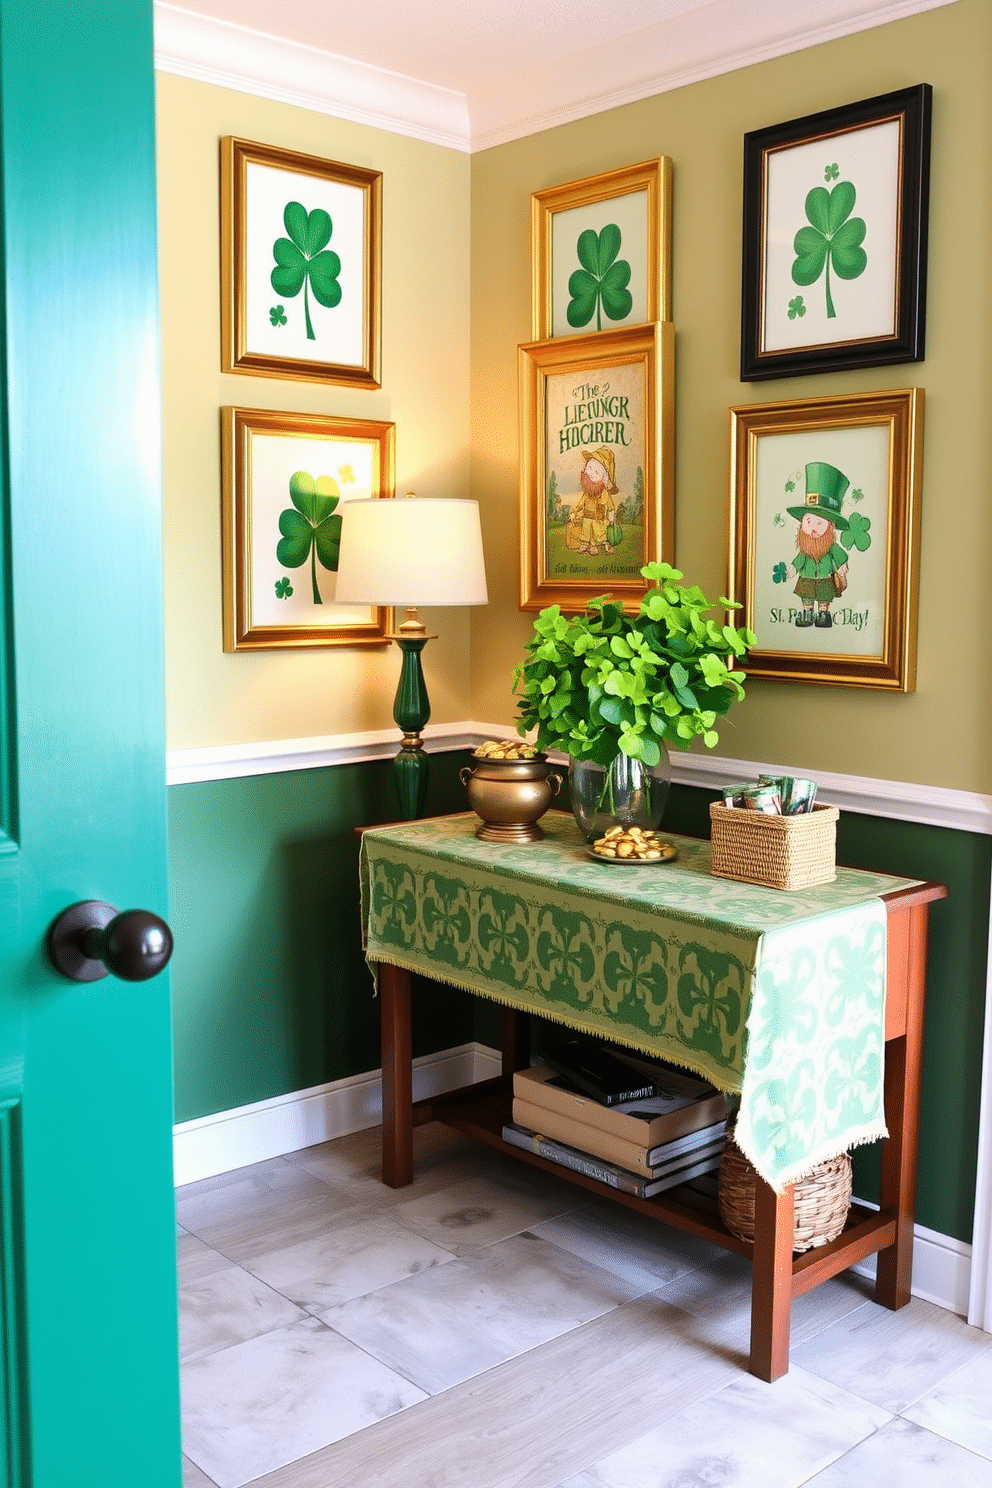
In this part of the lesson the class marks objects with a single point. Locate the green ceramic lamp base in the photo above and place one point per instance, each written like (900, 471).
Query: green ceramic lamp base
(411, 710)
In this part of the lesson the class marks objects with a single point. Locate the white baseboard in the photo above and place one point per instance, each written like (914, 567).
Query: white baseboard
(233, 1139)
(941, 1269)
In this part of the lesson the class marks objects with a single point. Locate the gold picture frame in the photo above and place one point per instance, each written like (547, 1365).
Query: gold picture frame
(607, 398)
(825, 536)
(315, 225)
(286, 477)
(636, 203)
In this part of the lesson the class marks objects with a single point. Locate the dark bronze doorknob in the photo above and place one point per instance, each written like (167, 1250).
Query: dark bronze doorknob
(90, 939)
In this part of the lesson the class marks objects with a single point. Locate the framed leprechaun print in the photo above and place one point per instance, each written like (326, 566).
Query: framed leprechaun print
(825, 536)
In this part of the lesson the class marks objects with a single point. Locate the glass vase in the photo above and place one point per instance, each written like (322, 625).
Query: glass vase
(627, 794)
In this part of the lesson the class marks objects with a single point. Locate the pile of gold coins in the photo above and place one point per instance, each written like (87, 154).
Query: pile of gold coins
(629, 842)
(504, 749)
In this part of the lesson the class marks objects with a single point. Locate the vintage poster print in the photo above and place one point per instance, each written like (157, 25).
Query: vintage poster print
(594, 496)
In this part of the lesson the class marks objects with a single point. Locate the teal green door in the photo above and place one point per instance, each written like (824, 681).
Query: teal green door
(88, 1354)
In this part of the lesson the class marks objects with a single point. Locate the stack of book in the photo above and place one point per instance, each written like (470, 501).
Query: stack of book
(635, 1125)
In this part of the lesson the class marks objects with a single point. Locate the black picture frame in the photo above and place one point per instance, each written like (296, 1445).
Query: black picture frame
(890, 135)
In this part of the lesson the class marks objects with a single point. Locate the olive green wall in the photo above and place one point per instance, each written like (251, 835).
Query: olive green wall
(938, 735)
(213, 698)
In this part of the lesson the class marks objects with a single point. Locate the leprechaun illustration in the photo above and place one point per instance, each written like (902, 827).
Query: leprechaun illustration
(820, 564)
(593, 514)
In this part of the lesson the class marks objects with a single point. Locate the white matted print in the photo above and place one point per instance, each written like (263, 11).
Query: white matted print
(834, 253)
(602, 251)
(825, 536)
(287, 478)
(301, 258)
(831, 244)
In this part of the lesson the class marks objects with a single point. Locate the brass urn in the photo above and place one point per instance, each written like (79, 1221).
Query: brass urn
(510, 795)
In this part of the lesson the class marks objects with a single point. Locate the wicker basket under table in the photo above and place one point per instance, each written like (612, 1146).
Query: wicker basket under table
(821, 1198)
(781, 852)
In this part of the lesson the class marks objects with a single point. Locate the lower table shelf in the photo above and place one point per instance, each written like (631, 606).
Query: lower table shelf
(480, 1111)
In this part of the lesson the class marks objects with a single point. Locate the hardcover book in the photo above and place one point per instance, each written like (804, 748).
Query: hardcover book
(680, 1103)
(694, 1165)
(605, 1144)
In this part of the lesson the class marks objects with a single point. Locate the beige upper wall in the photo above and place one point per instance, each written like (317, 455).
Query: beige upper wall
(213, 698)
(939, 734)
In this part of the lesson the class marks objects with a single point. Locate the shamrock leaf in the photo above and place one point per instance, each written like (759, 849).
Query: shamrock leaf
(778, 520)
(283, 588)
(831, 172)
(857, 534)
(833, 238)
(790, 486)
(797, 307)
(277, 315)
(602, 280)
(346, 475)
(310, 527)
(303, 263)
(857, 494)
(780, 573)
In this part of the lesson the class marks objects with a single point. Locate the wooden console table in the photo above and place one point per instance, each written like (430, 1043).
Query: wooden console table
(481, 1110)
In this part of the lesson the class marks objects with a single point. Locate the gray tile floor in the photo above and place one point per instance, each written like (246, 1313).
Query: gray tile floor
(491, 1327)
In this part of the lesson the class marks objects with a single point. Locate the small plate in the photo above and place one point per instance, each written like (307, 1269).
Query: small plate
(668, 852)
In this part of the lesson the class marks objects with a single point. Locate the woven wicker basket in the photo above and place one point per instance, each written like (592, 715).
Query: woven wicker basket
(782, 852)
(821, 1198)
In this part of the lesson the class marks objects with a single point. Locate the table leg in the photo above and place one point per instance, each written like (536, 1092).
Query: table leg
(903, 1067)
(516, 1040)
(771, 1281)
(397, 1075)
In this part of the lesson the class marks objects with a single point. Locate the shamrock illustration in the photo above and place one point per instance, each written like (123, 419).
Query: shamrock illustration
(790, 486)
(277, 315)
(857, 534)
(831, 172)
(310, 527)
(283, 588)
(602, 280)
(346, 475)
(780, 573)
(303, 260)
(797, 307)
(833, 237)
(857, 494)
(778, 520)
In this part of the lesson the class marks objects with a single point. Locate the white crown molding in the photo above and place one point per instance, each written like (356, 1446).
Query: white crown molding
(212, 51)
(931, 805)
(699, 43)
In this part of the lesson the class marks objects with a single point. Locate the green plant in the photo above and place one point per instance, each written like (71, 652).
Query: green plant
(602, 683)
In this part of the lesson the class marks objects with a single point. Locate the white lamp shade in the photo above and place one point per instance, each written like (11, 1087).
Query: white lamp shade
(411, 551)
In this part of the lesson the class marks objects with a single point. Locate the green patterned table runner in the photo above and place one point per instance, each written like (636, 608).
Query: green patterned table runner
(774, 996)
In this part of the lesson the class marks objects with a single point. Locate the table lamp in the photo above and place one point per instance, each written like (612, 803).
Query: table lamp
(407, 552)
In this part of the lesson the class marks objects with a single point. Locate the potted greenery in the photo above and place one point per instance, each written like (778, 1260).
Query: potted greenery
(615, 691)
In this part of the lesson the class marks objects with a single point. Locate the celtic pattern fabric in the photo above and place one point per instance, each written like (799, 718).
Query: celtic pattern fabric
(773, 996)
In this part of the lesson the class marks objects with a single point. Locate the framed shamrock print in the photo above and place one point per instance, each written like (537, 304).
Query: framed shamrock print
(835, 238)
(286, 479)
(301, 256)
(602, 251)
(597, 465)
(825, 536)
